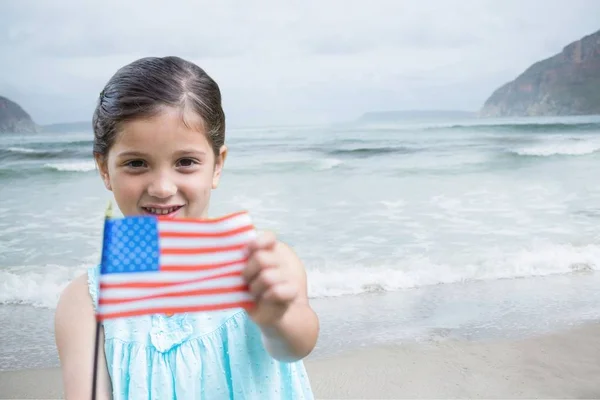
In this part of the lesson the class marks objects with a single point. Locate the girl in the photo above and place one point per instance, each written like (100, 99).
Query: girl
(159, 133)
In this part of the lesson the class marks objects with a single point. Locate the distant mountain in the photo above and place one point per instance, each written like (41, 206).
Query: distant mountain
(567, 83)
(68, 127)
(14, 119)
(412, 115)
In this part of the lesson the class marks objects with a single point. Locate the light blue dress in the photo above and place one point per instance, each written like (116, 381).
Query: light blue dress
(217, 355)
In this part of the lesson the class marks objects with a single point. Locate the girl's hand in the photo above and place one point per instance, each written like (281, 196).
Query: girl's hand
(272, 277)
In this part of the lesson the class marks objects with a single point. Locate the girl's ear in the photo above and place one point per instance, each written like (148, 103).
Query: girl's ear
(219, 162)
(103, 168)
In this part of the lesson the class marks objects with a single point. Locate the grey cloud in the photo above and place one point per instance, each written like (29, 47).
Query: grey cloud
(90, 34)
(337, 46)
(285, 61)
(418, 37)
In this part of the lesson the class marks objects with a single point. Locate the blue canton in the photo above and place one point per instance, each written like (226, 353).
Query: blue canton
(130, 245)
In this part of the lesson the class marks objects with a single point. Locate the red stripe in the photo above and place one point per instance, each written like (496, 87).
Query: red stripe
(195, 292)
(203, 250)
(231, 232)
(171, 310)
(149, 285)
(204, 221)
(201, 267)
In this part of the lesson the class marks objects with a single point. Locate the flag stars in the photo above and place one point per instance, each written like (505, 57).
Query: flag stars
(130, 245)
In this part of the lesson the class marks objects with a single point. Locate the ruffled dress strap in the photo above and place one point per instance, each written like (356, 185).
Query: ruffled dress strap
(92, 279)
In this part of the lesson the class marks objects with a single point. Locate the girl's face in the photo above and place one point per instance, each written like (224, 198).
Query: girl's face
(161, 166)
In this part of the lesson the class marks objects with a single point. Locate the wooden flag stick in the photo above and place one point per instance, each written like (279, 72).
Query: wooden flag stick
(108, 214)
(96, 349)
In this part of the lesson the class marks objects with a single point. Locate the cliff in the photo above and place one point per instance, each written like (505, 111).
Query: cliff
(567, 83)
(14, 119)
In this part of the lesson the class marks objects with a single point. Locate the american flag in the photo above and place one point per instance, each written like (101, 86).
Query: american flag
(157, 265)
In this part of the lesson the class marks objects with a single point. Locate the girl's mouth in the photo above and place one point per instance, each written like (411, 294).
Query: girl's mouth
(162, 211)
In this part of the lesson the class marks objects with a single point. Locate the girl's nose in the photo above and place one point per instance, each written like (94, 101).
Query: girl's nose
(162, 187)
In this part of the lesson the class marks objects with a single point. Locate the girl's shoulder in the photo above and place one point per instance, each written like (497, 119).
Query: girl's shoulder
(74, 304)
(76, 292)
(74, 332)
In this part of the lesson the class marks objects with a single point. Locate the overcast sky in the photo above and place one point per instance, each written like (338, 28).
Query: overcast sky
(281, 61)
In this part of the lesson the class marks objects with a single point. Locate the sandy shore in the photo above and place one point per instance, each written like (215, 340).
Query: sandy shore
(561, 365)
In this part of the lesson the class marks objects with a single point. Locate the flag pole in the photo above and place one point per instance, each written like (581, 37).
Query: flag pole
(107, 215)
(95, 373)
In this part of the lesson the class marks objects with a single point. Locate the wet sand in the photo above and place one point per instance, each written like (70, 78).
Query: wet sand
(565, 364)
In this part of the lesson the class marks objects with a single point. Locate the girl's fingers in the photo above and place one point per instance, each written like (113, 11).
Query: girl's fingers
(283, 292)
(264, 281)
(258, 261)
(264, 240)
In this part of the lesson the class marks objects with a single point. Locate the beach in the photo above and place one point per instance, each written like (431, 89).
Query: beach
(536, 340)
(445, 259)
(559, 365)
(565, 365)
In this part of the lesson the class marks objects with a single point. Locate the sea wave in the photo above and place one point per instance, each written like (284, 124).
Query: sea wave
(35, 285)
(542, 127)
(562, 148)
(24, 150)
(31, 153)
(421, 271)
(327, 164)
(76, 166)
(41, 286)
(364, 152)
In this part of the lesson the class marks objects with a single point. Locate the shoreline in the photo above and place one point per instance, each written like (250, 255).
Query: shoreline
(564, 364)
(470, 311)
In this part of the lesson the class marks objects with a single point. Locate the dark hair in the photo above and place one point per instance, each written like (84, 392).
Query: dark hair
(142, 88)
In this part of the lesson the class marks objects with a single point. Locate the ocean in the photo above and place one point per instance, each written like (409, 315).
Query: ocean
(409, 231)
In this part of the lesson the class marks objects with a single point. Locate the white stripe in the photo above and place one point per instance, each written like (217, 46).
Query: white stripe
(200, 227)
(176, 302)
(110, 294)
(183, 243)
(202, 259)
(144, 277)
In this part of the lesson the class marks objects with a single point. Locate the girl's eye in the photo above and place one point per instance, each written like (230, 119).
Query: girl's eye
(186, 162)
(136, 164)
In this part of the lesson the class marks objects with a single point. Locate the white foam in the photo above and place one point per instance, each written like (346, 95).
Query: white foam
(36, 286)
(24, 150)
(41, 286)
(413, 272)
(566, 147)
(82, 166)
(328, 163)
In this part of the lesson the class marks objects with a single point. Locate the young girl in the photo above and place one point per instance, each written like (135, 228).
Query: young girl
(159, 133)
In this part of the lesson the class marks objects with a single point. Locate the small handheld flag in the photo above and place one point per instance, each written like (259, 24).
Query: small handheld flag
(158, 265)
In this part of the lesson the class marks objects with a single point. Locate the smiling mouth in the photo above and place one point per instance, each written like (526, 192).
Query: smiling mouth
(161, 211)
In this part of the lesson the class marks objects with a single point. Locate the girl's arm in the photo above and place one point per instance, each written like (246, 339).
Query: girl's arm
(294, 336)
(289, 325)
(75, 333)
